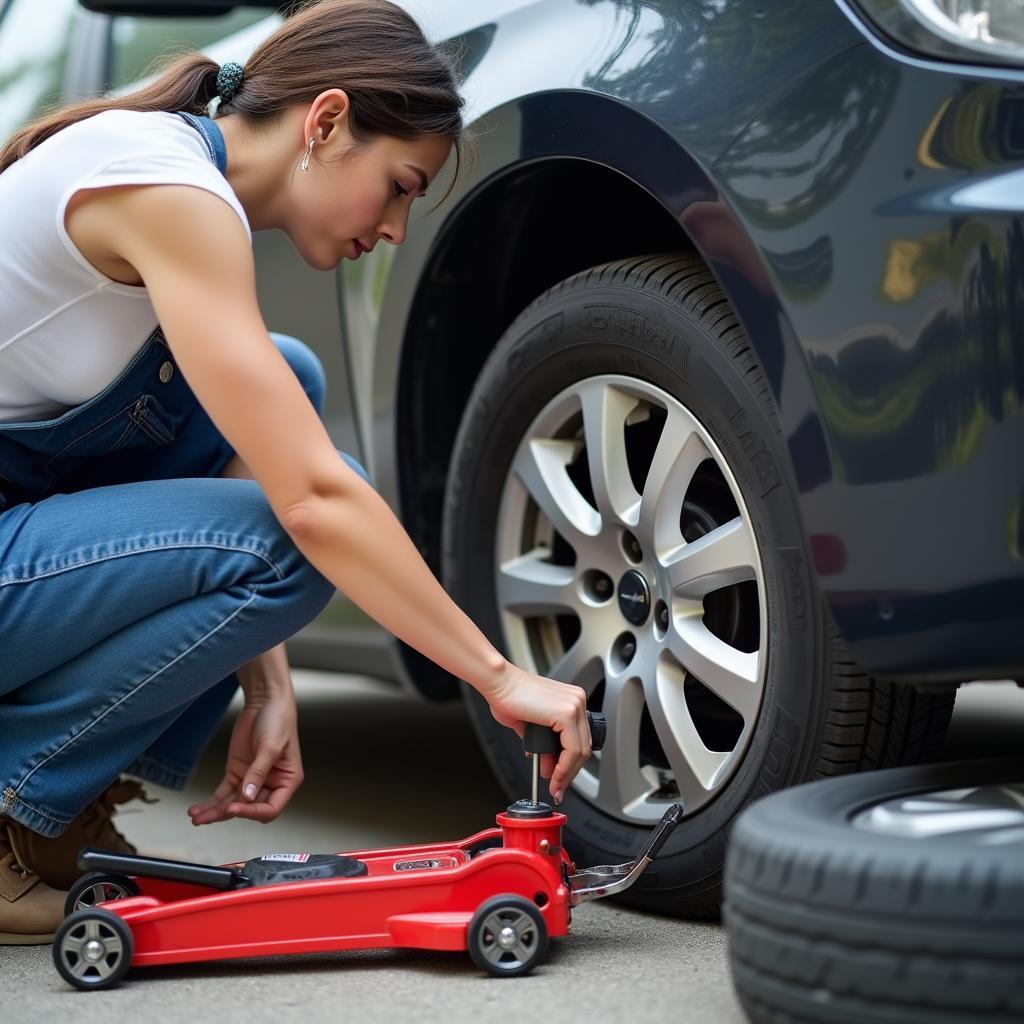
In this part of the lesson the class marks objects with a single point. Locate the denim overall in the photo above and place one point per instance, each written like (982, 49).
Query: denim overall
(134, 580)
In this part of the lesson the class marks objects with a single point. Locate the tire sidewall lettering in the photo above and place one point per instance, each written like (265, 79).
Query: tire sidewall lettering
(582, 332)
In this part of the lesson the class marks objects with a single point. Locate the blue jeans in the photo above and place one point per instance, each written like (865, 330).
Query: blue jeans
(133, 582)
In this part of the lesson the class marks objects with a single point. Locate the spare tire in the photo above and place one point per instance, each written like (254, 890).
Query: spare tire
(895, 897)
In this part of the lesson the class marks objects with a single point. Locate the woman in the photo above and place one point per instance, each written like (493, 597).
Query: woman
(171, 506)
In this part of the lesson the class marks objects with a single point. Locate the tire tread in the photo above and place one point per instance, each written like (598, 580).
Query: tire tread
(827, 922)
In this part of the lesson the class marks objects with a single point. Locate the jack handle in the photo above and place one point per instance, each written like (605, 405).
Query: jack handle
(539, 739)
(605, 879)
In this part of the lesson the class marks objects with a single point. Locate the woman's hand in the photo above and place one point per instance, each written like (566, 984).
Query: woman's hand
(522, 697)
(264, 767)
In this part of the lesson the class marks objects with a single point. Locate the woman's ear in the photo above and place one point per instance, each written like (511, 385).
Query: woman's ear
(327, 113)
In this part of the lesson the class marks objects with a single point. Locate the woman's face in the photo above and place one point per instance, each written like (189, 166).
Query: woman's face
(354, 195)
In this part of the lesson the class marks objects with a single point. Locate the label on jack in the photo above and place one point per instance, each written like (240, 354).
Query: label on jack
(417, 865)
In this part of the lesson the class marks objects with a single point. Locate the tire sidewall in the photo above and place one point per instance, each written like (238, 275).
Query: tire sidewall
(580, 331)
(822, 813)
(827, 918)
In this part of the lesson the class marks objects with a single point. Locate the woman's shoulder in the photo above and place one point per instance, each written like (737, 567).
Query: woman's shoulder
(127, 132)
(146, 148)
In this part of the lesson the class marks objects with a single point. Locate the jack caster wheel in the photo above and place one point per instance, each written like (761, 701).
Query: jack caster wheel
(507, 936)
(98, 887)
(92, 949)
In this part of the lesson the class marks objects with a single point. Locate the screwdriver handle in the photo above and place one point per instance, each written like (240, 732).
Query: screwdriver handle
(540, 739)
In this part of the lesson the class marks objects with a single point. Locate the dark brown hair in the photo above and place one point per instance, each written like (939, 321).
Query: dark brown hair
(398, 83)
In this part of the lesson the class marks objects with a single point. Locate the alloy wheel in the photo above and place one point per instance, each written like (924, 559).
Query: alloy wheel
(627, 563)
(989, 815)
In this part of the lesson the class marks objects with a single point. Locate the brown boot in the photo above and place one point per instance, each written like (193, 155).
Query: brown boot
(55, 858)
(29, 909)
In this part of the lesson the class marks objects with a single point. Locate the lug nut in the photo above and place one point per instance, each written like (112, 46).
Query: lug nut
(663, 616)
(598, 585)
(628, 650)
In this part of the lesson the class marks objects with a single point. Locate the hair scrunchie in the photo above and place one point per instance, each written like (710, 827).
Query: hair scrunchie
(229, 78)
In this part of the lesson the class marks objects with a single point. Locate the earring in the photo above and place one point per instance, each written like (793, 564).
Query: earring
(304, 166)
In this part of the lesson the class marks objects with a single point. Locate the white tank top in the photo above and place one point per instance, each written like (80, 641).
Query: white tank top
(66, 329)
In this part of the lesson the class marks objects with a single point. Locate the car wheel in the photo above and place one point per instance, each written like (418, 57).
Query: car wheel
(620, 514)
(92, 949)
(893, 896)
(507, 936)
(98, 887)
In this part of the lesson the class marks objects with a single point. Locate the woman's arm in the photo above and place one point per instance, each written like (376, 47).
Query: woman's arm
(192, 252)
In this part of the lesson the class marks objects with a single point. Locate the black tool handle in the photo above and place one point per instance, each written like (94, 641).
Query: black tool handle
(664, 829)
(91, 859)
(539, 739)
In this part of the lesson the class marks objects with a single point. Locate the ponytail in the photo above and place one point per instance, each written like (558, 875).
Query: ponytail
(189, 83)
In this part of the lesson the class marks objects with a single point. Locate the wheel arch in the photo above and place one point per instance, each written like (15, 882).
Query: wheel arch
(518, 227)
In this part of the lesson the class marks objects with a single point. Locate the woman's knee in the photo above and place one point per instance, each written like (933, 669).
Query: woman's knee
(307, 367)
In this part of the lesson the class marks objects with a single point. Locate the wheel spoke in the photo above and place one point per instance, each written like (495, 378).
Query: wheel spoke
(695, 767)
(93, 895)
(720, 558)
(620, 781)
(728, 672)
(106, 969)
(70, 944)
(523, 926)
(529, 585)
(494, 952)
(679, 452)
(605, 409)
(542, 466)
(80, 967)
(581, 664)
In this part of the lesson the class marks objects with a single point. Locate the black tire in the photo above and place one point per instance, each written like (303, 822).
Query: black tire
(115, 955)
(671, 327)
(97, 887)
(831, 922)
(483, 941)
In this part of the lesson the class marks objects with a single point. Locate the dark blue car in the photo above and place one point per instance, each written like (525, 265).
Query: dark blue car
(704, 387)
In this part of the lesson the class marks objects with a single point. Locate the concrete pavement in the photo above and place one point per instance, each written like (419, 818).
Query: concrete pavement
(384, 769)
(381, 769)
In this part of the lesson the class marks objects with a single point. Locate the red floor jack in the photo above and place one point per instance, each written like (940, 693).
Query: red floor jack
(498, 894)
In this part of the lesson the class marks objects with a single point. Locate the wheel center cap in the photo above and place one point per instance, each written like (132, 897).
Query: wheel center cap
(93, 951)
(634, 598)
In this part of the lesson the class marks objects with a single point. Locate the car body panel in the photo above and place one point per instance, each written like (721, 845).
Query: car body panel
(803, 249)
(897, 259)
(860, 209)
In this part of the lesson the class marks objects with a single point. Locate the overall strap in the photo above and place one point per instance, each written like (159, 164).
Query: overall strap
(212, 136)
